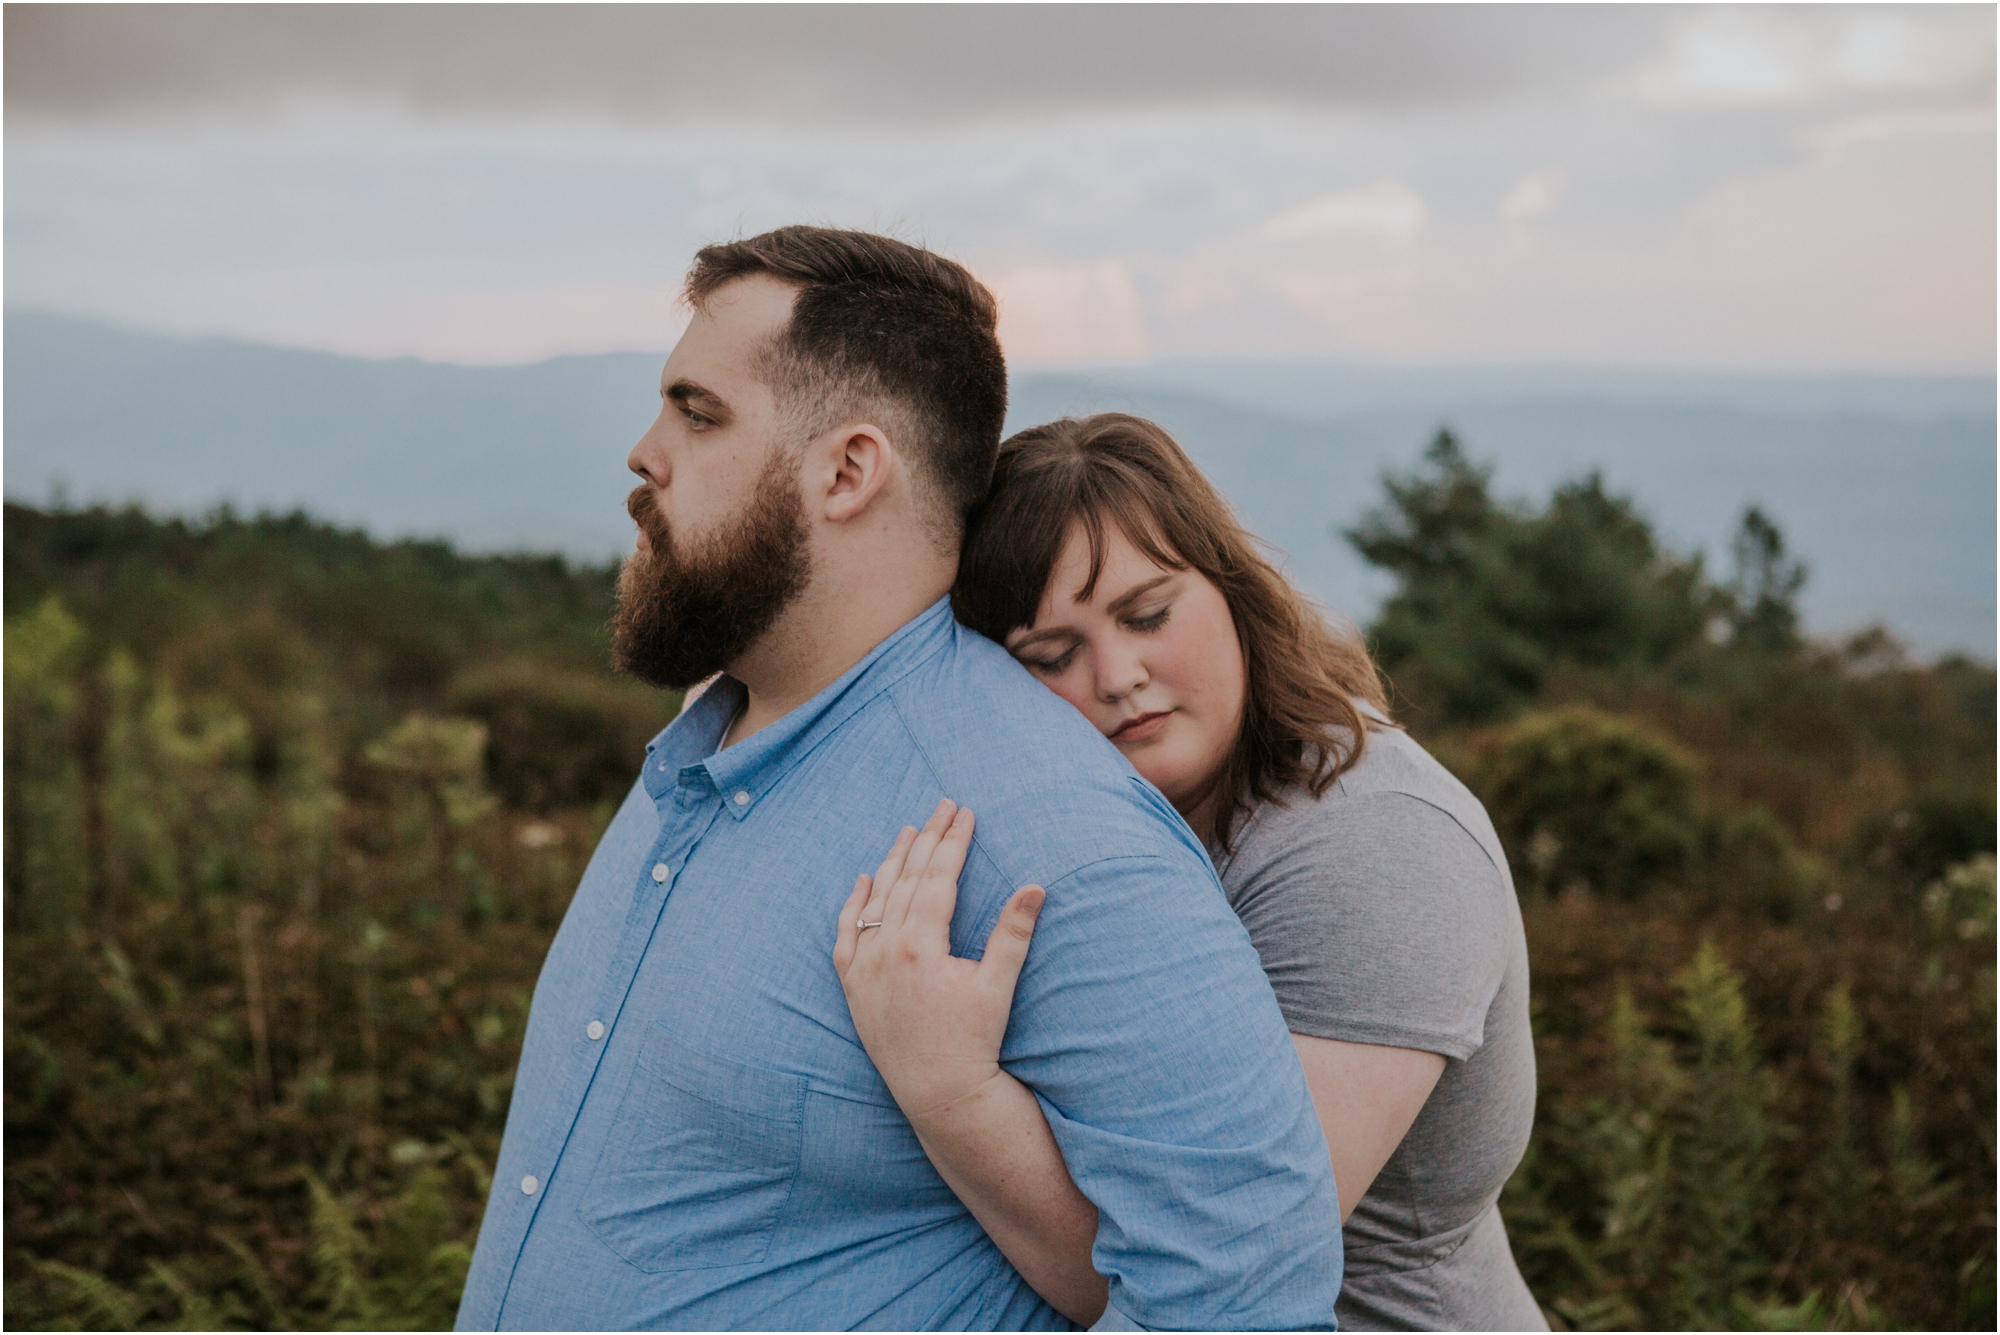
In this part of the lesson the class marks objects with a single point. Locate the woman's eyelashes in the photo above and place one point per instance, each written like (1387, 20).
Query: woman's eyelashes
(1053, 667)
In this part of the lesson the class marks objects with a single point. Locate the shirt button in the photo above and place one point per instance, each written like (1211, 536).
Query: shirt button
(742, 799)
(660, 872)
(595, 1029)
(529, 1185)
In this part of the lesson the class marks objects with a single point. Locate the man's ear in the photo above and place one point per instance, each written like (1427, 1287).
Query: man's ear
(858, 461)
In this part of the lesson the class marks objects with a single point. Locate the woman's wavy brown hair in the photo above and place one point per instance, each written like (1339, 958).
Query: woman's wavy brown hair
(1301, 722)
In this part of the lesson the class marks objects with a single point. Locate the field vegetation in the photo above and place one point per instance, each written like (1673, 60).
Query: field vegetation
(291, 816)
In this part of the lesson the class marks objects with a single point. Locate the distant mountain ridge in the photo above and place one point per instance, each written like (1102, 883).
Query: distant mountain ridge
(1884, 484)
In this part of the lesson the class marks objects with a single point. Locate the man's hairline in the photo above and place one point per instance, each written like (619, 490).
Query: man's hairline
(699, 301)
(766, 366)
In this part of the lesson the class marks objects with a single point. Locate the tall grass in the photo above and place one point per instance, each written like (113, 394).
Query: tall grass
(273, 920)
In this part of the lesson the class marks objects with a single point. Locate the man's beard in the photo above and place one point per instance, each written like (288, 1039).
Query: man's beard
(683, 615)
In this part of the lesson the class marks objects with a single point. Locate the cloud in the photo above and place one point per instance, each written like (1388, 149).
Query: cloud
(1058, 314)
(900, 63)
(458, 216)
(1838, 137)
(1532, 197)
(1787, 55)
(1387, 209)
(1357, 308)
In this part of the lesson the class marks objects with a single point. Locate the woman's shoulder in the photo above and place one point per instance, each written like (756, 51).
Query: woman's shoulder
(1396, 798)
(1383, 909)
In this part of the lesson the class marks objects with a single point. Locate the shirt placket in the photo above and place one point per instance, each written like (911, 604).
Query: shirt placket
(686, 816)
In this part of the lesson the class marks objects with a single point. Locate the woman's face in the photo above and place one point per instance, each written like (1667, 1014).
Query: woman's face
(1151, 659)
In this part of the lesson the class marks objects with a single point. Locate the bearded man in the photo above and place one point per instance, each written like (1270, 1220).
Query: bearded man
(697, 1136)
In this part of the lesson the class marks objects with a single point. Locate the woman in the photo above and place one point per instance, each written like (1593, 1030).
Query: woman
(1369, 880)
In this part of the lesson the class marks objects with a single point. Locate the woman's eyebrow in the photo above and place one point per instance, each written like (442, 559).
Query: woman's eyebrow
(1135, 593)
(1036, 637)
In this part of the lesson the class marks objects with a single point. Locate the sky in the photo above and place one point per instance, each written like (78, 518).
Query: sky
(1759, 188)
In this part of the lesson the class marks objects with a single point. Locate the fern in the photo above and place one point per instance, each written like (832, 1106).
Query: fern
(1842, 1177)
(338, 1249)
(195, 1309)
(93, 1298)
(1720, 1163)
(275, 1315)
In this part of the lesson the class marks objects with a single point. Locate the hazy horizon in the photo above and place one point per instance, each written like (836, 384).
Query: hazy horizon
(1884, 485)
(1663, 370)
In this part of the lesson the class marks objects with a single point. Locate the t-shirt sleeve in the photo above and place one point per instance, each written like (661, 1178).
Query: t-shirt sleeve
(1378, 918)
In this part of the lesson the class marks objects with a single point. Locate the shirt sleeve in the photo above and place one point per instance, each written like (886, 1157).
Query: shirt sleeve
(1145, 1027)
(1378, 918)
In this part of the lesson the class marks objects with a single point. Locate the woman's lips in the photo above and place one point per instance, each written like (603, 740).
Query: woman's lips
(1142, 727)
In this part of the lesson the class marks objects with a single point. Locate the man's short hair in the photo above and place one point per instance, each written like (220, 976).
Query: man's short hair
(884, 328)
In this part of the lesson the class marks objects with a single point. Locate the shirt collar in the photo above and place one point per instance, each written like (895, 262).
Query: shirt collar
(684, 756)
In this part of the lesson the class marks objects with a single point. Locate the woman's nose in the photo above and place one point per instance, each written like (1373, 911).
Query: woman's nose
(1120, 672)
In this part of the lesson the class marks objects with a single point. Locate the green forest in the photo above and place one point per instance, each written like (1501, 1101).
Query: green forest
(292, 814)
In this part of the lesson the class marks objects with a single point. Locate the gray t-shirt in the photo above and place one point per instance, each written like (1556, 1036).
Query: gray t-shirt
(1384, 913)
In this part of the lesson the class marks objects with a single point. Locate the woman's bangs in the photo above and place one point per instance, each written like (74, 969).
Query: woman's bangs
(1119, 503)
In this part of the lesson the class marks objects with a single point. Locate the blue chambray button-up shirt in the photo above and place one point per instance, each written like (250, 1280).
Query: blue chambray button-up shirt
(697, 1138)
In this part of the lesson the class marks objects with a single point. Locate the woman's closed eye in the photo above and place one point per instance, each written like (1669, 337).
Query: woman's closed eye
(1050, 667)
(1150, 622)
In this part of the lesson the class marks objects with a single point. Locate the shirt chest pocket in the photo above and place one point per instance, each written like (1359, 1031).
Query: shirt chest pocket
(703, 1155)
(863, 1157)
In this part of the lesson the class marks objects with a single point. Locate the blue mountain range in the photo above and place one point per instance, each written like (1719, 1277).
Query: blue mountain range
(1884, 484)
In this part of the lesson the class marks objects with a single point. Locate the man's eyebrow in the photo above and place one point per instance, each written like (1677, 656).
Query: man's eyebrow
(1136, 592)
(685, 391)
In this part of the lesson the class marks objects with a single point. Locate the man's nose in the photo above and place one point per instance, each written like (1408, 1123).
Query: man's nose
(648, 459)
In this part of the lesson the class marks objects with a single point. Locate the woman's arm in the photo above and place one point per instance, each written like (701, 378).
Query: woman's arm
(1366, 1095)
(933, 1023)
(996, 1152)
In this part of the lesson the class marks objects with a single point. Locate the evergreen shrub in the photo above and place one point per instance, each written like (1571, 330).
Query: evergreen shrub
(558, 737)
(1582, 797)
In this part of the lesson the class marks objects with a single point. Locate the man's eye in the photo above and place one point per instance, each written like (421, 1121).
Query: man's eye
(697, 419)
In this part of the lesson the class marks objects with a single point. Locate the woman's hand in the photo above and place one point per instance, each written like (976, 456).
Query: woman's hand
(933, 1025)
(931, 1022)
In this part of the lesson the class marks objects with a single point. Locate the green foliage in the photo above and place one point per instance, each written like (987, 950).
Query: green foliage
(1938, 826)
(292, 816)
(1680, 1150)
(403, 1274)
(1839, 1045)
(270, 937)
(1717, 1165)
(1763, 616)
(1688, 1172)
(1582, 797)
(1763, 991)
(1491, 598)
(263, 1096)
(45, 792)
(559, 737)
(258, 611)
(1960, 903)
